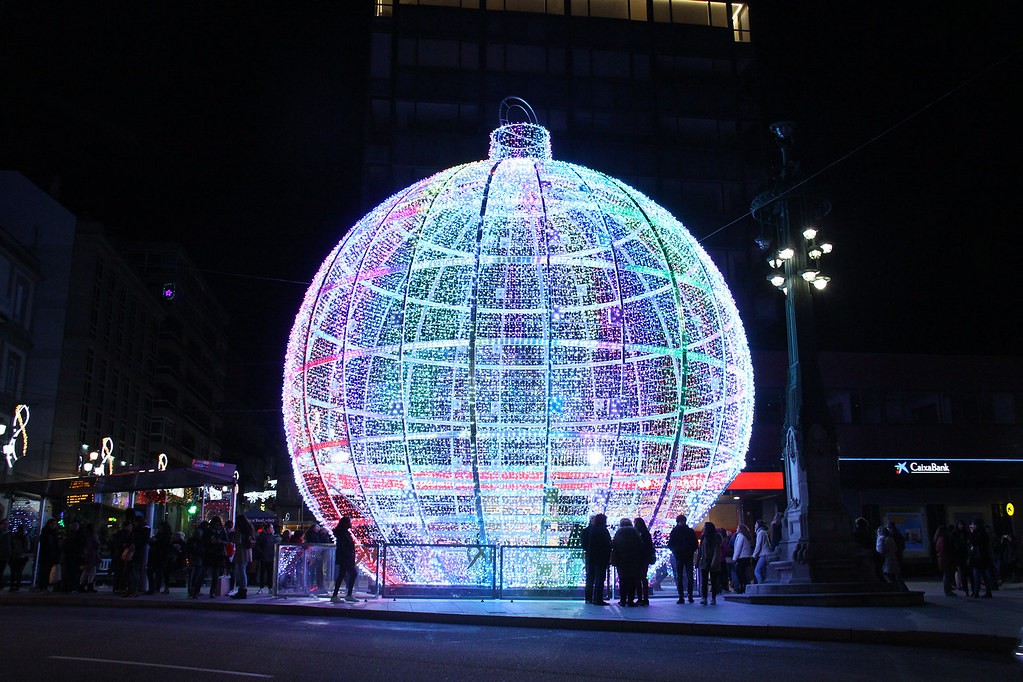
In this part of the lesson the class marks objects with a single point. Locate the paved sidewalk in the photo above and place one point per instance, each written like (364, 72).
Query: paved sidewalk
(942, 622)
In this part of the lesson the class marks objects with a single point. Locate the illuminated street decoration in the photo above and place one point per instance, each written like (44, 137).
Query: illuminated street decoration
(505, 348)
(10, 450)
(98, 463)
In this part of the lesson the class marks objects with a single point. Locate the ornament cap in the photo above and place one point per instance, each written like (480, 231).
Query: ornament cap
(517, 139)
(520, 141)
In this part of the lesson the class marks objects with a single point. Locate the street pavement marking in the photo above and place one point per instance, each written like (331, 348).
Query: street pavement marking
(159, 665)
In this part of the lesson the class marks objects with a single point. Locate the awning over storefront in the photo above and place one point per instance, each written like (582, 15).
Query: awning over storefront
(115, 483)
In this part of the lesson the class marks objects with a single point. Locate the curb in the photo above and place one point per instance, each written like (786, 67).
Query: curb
(926, 639)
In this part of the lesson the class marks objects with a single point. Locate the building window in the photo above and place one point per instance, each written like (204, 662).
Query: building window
(976, 408)
(912, 407)
(21, 299)
(740, 23)
(13, 368)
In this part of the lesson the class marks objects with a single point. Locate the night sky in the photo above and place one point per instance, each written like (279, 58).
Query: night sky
(233, 132)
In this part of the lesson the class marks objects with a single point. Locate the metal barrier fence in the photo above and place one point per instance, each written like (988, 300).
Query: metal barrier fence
(456, 571)
(309, 570)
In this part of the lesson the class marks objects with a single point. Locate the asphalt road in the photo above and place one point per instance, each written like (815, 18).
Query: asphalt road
(60, 643)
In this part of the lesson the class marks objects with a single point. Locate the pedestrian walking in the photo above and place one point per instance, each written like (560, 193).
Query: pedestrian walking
(345, 560)
(888, 550)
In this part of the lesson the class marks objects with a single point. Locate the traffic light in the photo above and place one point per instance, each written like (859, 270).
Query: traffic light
(168, 291)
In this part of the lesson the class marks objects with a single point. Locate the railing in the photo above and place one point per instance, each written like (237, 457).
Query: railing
(455, 571)
(308, 570)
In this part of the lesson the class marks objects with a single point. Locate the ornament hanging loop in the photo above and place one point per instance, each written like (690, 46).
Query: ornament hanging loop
(512, 105)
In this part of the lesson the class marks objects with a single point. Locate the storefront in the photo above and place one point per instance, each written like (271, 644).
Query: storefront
(921, 495)
(178, 496)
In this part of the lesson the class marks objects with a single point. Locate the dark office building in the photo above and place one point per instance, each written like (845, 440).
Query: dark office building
(659, 93)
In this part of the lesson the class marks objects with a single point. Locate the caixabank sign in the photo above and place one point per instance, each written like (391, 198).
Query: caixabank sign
(908, 467)
(869, 472)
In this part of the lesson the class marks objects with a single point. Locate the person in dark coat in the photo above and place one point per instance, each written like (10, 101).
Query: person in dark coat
(159, 557)
(49, 554)
(584, 542)
(648, 559)
(263, 553)
(946, 561)
(865, 540)
(21, 550)
(90, 559)
(6, 549)
(71, 557)
(118, 567)
(979, 558)
(140, 537)
(900, 542)
(682, 543)
(708, 557)
(960, 550)
(599, 552)
(214, 555)
(627, 546)
(195, 552)
(345, 559)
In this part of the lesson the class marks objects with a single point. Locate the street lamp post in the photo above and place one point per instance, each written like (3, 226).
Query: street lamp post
(817, 561)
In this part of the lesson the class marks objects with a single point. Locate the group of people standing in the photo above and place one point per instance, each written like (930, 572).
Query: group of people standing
(630, 552)
(722, 558)
(968, 556)
(15, 551)
(224, 552)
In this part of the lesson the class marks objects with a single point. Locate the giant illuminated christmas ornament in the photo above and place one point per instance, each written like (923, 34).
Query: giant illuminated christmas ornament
(507, 347)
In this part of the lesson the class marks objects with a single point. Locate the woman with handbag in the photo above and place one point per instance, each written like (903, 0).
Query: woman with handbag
(244, 540)
(708, 559)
